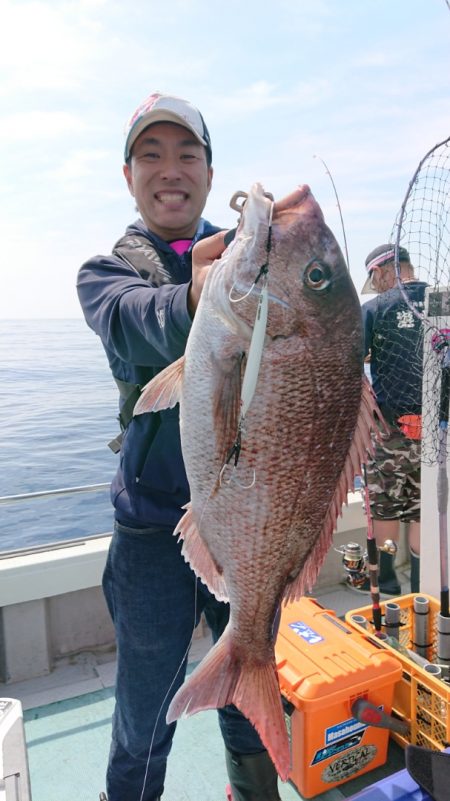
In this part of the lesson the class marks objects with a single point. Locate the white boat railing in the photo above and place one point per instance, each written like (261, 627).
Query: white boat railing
(28, 496)
(51, 546)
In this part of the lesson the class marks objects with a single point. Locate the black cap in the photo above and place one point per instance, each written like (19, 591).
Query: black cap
(379, 256)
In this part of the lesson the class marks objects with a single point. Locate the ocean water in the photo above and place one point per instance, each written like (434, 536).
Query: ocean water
(58, 410)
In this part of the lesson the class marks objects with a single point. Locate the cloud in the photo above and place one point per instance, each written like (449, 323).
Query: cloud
(343, 81)
(81, 164)
(65, 46)
(378, 58)
(28, 126)
(306, 18)
(266, 96)
(46, 45)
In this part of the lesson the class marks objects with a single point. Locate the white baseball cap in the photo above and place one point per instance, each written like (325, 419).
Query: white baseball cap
(166, 108)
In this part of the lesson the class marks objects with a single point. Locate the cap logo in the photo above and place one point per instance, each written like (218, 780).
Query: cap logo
(147, 105)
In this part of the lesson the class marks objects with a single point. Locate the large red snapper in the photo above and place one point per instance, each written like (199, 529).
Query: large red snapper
(266, 490)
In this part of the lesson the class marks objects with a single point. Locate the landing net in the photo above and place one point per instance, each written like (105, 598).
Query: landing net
(423, 228)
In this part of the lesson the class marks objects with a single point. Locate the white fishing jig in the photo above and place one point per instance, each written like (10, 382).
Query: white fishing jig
(253, 365)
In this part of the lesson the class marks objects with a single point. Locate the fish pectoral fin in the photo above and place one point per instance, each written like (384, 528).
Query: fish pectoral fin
(222, 678)
(163, 391)
(227, 402)
(195, 551)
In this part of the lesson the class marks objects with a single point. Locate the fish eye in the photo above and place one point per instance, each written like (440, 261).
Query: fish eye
(317, 275)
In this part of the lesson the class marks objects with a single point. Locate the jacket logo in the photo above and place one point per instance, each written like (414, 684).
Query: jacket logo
(142, 256)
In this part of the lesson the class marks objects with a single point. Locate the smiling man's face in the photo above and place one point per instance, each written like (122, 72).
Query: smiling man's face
(169, 178)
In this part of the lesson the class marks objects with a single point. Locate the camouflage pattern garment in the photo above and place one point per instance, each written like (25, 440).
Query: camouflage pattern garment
(393, 477)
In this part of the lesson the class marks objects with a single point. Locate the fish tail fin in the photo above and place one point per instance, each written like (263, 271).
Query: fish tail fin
(222, 678)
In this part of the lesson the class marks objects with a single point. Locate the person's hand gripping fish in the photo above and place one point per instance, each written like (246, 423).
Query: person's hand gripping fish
(204, 254)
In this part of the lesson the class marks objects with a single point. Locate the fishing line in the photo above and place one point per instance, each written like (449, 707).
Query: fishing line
(273, 298)
(241, 297)
(372, 550)
(263, 271)
(185, 655)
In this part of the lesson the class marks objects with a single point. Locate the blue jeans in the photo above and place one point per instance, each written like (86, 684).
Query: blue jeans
(155, 601)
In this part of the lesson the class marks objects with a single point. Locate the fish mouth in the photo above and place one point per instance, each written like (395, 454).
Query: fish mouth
(294, 199)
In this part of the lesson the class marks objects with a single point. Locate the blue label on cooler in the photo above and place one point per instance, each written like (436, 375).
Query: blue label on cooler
(306, 632)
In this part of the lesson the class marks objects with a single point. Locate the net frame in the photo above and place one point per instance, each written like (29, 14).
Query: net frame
(423, 228)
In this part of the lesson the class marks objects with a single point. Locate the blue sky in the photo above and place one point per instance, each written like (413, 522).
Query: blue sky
(363, 84)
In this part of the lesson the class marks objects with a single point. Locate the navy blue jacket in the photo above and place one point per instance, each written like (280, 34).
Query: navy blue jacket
(394, 336)
(143, 327)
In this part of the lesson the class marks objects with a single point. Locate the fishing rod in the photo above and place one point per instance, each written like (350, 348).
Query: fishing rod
(442, 482)
(339, 208)
(372, 557)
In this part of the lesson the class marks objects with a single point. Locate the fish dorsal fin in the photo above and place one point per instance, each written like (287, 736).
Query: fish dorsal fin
(195, 551)
(366, 422)
(163, 391)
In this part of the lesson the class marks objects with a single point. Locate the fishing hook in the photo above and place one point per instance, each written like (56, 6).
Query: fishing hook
(233, 479)
(235, 451)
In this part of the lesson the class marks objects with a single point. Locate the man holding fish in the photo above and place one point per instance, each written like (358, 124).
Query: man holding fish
(140, 301)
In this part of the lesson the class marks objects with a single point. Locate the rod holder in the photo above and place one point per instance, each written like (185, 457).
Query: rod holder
(421, 625)
(392, 619)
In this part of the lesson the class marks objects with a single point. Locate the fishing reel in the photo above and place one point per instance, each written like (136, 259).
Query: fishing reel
(390, 547)
(354, 561)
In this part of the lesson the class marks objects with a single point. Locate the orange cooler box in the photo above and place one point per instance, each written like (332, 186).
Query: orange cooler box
(324, 666)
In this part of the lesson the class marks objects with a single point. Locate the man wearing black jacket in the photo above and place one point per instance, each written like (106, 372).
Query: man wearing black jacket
(393, 335)
(140, 300)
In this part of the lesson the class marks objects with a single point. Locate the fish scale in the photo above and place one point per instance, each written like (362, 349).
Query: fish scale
(258, 528)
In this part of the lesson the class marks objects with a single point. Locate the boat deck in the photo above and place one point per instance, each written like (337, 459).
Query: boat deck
(67, 717)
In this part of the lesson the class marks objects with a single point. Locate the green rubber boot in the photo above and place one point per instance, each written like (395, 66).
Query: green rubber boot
(387, 577)
(252, 777)
(415, 572)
